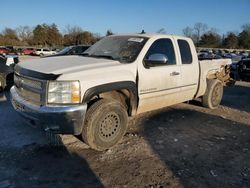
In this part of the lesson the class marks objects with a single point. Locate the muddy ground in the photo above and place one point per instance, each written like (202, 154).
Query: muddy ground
(182, 146)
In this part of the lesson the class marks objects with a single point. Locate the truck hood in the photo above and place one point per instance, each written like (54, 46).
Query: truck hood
(67, 64)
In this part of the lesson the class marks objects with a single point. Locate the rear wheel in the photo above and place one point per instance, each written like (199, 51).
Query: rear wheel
(213, 95)
(105, 124)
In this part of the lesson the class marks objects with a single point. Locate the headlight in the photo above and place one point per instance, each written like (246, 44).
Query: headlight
(64, 92)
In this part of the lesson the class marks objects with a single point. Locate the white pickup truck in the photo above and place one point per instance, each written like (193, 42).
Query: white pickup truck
(93, 94)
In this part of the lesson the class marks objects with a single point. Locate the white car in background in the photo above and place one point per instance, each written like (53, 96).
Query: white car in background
(44, 52)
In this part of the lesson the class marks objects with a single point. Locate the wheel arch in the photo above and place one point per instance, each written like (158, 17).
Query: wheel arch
(207, 98)
(124, 92)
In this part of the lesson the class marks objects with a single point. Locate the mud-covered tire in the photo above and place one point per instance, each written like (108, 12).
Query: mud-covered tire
(105, 124)
(213, 95)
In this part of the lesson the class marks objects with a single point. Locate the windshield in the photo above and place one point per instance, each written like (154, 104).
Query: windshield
(64, 50)
(121, 48)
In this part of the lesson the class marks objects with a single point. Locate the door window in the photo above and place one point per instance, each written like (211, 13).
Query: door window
(165, 47)
(186, 55)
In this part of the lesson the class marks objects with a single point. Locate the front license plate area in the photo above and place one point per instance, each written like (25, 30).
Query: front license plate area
(18, 106)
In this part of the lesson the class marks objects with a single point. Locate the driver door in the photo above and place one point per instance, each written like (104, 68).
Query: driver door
(159, 85)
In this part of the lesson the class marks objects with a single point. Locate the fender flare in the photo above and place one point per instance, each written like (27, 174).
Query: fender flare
(129, 85)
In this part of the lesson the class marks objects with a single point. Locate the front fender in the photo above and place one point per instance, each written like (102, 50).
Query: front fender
(129, 85)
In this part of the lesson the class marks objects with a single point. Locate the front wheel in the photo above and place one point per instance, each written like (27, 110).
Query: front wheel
(105, 124)
(213, 95)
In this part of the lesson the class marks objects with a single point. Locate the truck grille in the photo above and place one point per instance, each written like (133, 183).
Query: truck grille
(29, 89)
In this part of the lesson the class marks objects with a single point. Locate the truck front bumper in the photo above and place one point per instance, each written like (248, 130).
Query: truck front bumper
(57, 119)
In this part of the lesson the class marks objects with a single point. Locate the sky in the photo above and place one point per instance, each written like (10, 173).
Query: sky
(127, 16)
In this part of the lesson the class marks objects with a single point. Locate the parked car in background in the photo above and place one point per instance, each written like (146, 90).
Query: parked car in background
(19, 51)
(28, 51)
(71, 50)
(206, 51)
(2, 59)
(234, 71)
(11, 60)
(11, 50)
(208, 56)
(244, 69)
(220, 52)
(44, 52)
(244, 54)
(57, 49)
(235, 58)
(4, 50)
(7, 64)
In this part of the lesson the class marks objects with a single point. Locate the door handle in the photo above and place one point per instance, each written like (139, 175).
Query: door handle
(174, 73)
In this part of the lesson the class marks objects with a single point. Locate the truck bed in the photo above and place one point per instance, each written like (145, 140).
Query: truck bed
(207, 68)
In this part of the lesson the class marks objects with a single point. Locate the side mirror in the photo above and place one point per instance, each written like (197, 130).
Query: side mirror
(156, 60)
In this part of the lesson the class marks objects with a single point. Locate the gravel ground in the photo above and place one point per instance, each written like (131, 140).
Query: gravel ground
(181, 146)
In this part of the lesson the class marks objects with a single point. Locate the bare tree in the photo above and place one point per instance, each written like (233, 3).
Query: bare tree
(75, 35)
(188, 32)
(24, 33)
(47, 35)
(9, 31)
(231, 40)
(9, 37)
(72, 29)
(71, 36)
(246, 27)
(199, 29)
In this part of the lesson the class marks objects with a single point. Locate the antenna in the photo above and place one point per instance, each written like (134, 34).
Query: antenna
(143, 32)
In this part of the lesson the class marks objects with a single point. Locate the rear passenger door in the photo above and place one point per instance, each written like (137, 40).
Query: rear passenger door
(189, 69)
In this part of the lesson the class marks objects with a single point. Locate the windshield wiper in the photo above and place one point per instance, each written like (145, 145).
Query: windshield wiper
(100, 56)
(85, 54)
(103, 56)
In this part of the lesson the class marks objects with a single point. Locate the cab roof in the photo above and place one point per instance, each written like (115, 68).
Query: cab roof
(149, 35)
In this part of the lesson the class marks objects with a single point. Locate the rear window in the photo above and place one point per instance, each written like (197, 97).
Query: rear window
(186, 55)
